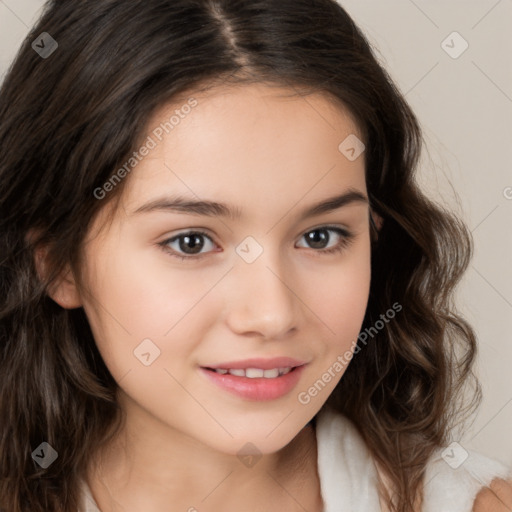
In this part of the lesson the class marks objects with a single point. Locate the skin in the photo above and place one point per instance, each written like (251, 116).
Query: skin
(271, 156)
(495, 498)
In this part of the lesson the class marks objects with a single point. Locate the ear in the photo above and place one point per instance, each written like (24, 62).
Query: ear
(63, 290)
(377, 221)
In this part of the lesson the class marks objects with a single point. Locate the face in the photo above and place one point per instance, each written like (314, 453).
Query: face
(175, 291)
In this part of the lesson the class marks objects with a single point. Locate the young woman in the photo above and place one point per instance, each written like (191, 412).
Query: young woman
(221, 286)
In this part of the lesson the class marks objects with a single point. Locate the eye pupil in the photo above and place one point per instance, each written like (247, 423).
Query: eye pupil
(318, 236)
(193, 242)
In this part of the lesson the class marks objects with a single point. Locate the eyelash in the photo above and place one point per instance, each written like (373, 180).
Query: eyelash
(346, 240)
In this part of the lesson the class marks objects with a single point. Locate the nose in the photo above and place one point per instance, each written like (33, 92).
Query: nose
(261, 299)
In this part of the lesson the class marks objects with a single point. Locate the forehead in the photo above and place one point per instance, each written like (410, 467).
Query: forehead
(252, 144)
(268, 107)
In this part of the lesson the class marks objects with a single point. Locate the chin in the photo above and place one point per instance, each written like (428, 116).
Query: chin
(263, 435)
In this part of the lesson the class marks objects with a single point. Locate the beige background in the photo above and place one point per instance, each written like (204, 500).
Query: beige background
(465, 107)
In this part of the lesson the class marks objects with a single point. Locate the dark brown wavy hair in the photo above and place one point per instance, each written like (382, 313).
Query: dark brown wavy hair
(70, 120)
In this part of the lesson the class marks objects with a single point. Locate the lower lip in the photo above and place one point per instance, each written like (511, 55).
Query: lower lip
(259, 389)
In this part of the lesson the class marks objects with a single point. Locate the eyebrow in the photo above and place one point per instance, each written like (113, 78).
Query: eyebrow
(181, 204)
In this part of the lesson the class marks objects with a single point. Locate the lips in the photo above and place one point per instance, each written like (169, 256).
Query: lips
(256, 379)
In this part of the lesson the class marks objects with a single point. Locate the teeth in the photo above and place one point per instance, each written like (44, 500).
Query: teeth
(255, 373)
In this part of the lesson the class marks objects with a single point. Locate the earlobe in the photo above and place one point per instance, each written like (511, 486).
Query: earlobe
(64, 290)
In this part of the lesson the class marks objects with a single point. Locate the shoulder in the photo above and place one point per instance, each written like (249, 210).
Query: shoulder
(456, 475)
(467, 479)
(497, 497)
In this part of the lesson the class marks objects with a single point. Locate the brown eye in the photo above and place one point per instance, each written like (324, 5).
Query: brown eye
(186, 244)
(319, 238)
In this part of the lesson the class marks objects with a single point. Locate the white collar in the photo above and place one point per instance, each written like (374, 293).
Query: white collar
(348, 476)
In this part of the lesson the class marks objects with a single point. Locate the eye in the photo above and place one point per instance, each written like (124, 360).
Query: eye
(190, 242)
(189, 245)
(319, 238)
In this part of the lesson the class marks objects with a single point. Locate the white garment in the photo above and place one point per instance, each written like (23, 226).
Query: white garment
(348, 476)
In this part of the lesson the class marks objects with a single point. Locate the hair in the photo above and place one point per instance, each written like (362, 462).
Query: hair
(70, 120)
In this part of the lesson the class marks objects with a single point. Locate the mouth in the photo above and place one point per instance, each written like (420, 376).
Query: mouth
(253, 382)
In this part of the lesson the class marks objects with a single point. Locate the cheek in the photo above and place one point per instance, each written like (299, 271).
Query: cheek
(135, 299)
(344, 303)
(340, 307)
(149, 296)
(341, 300)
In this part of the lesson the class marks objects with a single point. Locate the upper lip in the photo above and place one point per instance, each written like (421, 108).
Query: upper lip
(263, 364)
